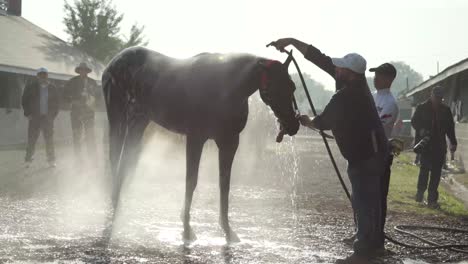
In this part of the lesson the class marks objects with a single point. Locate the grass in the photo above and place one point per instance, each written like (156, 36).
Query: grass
(462, 178)
(402, 191)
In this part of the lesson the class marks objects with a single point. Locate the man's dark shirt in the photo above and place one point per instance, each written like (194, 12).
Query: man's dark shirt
(74, 89)
(351, 115)
(439, 123)
(31, 100)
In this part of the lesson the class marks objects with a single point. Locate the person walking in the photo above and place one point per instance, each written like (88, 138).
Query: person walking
(434, 120)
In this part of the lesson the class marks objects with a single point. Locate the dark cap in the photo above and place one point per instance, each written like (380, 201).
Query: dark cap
(386, 68)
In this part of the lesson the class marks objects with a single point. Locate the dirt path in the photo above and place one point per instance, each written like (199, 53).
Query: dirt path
(286, 209)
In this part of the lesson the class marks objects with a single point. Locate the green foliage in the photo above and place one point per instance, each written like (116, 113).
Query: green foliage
(94, 27)
(404, 73)
(136, 37)
(319, 95)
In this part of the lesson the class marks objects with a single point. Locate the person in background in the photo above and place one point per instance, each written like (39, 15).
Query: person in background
(435, 120)
(80, 92)
(385, 102)
(40, 103)
(388, 110)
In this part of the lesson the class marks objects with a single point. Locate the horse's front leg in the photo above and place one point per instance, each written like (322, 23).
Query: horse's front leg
(193, 154)
(227, 150)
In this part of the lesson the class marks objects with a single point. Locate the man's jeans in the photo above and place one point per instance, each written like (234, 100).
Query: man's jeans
(432, 163)
(366, 183)
(83, 127)
(385, 186)
(36, 125)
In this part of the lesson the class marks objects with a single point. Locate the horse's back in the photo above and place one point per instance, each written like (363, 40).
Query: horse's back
(195, 93)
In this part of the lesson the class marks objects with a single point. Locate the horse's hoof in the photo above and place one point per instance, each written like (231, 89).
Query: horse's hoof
(189, 236)
(231, 237)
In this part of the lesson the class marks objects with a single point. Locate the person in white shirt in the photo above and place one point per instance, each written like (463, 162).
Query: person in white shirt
(385, 102)
(388, 110)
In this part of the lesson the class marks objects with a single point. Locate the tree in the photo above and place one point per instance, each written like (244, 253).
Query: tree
(136, 37)
(404, 74)
(94, 27)
(319, 95)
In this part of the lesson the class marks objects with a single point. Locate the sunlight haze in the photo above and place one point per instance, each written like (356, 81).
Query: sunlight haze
(420, 33)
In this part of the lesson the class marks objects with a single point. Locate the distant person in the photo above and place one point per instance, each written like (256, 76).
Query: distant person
(434, 120)
(41, 105)
(80, 92)
(352, 116)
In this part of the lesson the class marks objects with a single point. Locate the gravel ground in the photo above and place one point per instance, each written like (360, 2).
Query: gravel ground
(285, 208)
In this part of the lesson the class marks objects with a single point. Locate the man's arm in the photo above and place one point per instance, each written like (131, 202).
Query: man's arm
(451, 132)
(67, 91)
(327, 119)
(25, 100)
(311, 53)
(389, 113)
(416, 119)
(55, 101)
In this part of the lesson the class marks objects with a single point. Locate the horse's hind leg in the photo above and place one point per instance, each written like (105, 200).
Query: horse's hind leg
(227, 150)
(131, 149)
(193, 154)
(126, 128)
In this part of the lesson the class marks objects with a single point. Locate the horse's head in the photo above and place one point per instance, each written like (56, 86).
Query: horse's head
(277, 91)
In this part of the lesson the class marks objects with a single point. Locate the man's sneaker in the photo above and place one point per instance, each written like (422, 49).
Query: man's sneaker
(349, 241)
(354, 259)
(433, 205)
(27, 164)
(382, 252)
(419, 197)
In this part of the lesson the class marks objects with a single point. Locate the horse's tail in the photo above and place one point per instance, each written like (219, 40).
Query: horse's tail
(115, 98)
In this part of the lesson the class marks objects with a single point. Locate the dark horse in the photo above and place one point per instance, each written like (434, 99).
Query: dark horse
(203, 97)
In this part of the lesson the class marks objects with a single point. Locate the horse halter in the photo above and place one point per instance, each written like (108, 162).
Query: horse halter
(264, 81)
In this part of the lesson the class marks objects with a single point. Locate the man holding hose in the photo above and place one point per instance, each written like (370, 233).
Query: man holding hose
(352, 117)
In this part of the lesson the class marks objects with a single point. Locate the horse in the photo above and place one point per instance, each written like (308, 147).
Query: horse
(202, 97)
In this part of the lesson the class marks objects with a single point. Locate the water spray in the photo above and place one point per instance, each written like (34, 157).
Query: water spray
(398, 228)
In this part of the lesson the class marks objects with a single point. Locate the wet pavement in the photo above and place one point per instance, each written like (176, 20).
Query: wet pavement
(285, 209)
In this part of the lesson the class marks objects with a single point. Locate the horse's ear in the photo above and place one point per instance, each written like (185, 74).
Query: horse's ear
(263, 63)
(266, 64)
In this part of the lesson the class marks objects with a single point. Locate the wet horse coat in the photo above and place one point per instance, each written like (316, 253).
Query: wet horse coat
(203, 97)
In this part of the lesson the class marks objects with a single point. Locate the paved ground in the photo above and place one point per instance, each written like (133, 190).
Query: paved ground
(285, 208)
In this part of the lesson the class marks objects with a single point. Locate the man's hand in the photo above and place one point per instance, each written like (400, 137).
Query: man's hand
(29, 117)
(280, 44)
(305, 120)
(396, 146)
(453, 148)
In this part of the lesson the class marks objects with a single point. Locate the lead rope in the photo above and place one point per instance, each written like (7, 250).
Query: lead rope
(398, 228)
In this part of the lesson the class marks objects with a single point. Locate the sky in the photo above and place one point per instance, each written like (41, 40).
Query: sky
(421, 33)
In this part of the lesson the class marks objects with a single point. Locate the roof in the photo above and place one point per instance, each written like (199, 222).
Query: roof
(25, 47)
(449, 71)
